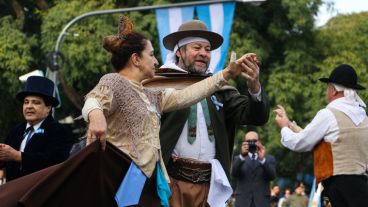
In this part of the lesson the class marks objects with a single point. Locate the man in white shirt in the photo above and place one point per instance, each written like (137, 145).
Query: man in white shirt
(337, 136)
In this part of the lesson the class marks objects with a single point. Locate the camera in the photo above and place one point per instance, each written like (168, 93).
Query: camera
(252, 146)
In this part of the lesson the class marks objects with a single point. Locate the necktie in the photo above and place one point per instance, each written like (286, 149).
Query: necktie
(253, 161)
(28, 134)
(192, 122)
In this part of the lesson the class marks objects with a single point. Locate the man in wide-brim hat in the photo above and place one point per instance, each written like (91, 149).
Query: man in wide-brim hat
(337, 136)
(190, 32)
(197, 142)
(40, 141)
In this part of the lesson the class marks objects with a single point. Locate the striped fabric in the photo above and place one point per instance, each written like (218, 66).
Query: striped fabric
(169, 20)
(219, 19)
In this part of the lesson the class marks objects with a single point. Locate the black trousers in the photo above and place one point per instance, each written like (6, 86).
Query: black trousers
(346, 190)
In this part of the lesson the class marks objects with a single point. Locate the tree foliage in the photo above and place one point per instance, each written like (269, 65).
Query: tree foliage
(15, 58)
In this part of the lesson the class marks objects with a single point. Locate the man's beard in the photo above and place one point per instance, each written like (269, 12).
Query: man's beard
(192, 70)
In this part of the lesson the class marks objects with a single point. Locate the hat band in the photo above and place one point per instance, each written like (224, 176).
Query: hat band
(189, 40)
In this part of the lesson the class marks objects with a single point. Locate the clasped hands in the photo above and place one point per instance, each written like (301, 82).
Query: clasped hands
(247, 67)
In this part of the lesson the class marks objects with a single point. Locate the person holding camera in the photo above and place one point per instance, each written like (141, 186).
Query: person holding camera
(253, 170)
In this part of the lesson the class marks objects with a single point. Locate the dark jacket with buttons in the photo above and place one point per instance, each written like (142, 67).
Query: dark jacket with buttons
(48, 146)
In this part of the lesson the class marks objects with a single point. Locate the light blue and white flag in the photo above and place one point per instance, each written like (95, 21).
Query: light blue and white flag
(131, 187)
(219, 19)
(315, 195)
(169, 20)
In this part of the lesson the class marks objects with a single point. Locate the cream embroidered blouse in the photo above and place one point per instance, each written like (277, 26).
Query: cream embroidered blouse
(133, 113)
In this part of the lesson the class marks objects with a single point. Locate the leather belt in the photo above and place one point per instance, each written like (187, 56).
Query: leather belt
(189, 170)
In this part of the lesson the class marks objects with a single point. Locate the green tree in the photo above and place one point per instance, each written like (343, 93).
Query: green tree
(15, 58)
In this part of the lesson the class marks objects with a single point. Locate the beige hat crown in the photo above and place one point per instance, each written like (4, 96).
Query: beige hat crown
(193, 28)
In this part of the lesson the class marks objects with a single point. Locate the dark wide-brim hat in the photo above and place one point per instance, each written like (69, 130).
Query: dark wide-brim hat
(193, 28)
(39, 86)
(344, 75)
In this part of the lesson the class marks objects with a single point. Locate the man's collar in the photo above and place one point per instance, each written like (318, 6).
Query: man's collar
(173, 66)
(36, 126)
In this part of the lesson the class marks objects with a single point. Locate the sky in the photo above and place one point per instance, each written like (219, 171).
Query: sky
(341, 7)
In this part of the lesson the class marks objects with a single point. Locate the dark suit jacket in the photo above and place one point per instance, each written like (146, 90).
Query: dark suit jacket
(253, 183)
(237, 110)
(43, 150)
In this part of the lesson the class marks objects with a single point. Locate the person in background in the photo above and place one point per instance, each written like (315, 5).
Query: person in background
(275, 190)
(298, 198)
(2, 177)
(40, 141)
(198, 141)
(282, 200)
(337, 135)
(253, 170)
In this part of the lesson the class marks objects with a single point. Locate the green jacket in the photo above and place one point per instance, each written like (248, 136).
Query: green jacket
(237, 110)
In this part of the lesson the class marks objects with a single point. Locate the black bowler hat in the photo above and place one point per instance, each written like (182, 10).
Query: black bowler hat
(344, 75)
(39, 86)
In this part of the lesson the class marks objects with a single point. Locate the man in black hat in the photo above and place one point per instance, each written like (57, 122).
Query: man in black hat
(337, 136)
(40, 141)
(197, 142)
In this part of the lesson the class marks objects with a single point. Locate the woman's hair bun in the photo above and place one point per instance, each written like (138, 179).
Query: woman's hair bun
(125, 26)
(112, 43)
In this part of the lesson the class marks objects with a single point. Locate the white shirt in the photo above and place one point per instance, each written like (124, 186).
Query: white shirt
(202, 148)
(323, 126)
(255, 157)
(35, 127)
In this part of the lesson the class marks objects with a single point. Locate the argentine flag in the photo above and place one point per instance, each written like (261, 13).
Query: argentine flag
(219, 19)
(169, 20)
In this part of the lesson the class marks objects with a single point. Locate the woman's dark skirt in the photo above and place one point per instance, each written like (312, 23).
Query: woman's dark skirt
(89, 178)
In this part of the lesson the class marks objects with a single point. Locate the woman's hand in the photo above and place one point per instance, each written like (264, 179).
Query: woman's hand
(97, 127)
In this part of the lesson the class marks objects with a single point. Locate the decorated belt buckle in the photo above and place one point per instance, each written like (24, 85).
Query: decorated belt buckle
(197, 176)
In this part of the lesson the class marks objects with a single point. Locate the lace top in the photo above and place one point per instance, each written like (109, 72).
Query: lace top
(133, 113)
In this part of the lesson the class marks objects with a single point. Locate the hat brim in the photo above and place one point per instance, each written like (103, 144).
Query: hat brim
(21, 95)
(171, 40)
(356, 87)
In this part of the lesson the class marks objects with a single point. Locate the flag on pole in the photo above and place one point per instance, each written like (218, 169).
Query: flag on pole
(219, 19)
(169, 20)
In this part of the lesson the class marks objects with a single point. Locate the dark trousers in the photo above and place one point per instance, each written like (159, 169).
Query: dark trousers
(346, 190)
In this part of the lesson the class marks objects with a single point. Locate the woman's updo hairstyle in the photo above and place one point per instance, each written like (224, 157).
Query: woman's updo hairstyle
(124, 44)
